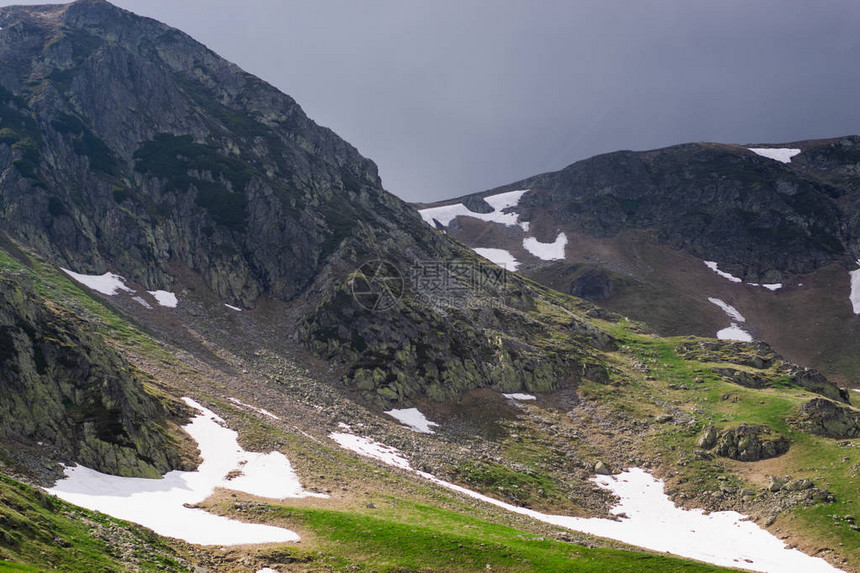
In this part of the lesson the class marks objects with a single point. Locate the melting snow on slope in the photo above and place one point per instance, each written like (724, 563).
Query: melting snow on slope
(713, 266)
(141, 302)
(164, 298)
(108, 283)
(546, 251)
(653, 521)
(413, 419)
(728, 309)
(238, 402)
(160, 503)
(499, 203)
(855, 290)
(733, 332)
(231, 307)
(517, 396)
(781, 154)
(500, 257)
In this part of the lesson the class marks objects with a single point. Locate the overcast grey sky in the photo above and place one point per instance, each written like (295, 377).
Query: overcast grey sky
(456, 96)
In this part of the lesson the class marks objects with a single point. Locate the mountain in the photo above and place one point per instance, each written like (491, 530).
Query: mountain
(131, 148)
(196, 280)
(640, 225)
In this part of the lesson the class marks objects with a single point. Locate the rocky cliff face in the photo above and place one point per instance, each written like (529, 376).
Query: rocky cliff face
(127, 144)
(64, 393)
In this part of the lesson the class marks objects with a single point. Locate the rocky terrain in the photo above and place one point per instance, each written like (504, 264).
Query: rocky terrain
(639, 225)
(259, 267)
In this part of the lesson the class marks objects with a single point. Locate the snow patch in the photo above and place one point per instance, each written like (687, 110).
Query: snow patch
(781, 154)
(734, 332)
(142, 302)
(266, 570)
(447, 213)
(160, 504)
(713, 266)
(413, 419)
(653, 521)
(371, 449)
(728, 309)
(164, 298)
(108, 283)
(547, 251)
(231, 307)
(517, 396)
(238, 402)
(773, 286)
(500, 257)
(855, 290)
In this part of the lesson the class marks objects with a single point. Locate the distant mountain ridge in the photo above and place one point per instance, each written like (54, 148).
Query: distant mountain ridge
(763, 220)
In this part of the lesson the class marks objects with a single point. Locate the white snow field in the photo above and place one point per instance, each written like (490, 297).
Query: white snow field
(713, 266)
(413, 419)
(499, 203)
(855, 290)
(108, 283)
(500, 257)
(781, 154)
(723, 538)
(159, 504)
(518, 396)
(164, 298)
(231, 307)
(547, 251)
(734, 331)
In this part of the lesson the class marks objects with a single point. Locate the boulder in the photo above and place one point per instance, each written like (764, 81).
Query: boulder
(708, 438)
(750, 443)
(827, 418)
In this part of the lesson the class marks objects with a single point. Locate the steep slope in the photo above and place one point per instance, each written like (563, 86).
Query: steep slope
(639, 225)
(129, 147)
(65, 395)
(266, 274)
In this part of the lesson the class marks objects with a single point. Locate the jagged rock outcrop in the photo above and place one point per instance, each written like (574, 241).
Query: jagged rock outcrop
(126, 144)
(827, 418)
(745, 443)
(64, 391)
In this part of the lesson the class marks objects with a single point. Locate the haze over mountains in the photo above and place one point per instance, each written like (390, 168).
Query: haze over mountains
(198, 281)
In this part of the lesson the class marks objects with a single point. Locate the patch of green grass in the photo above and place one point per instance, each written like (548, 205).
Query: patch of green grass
(403, 535)
(40, 531)
(529, 488)
(55, 286)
